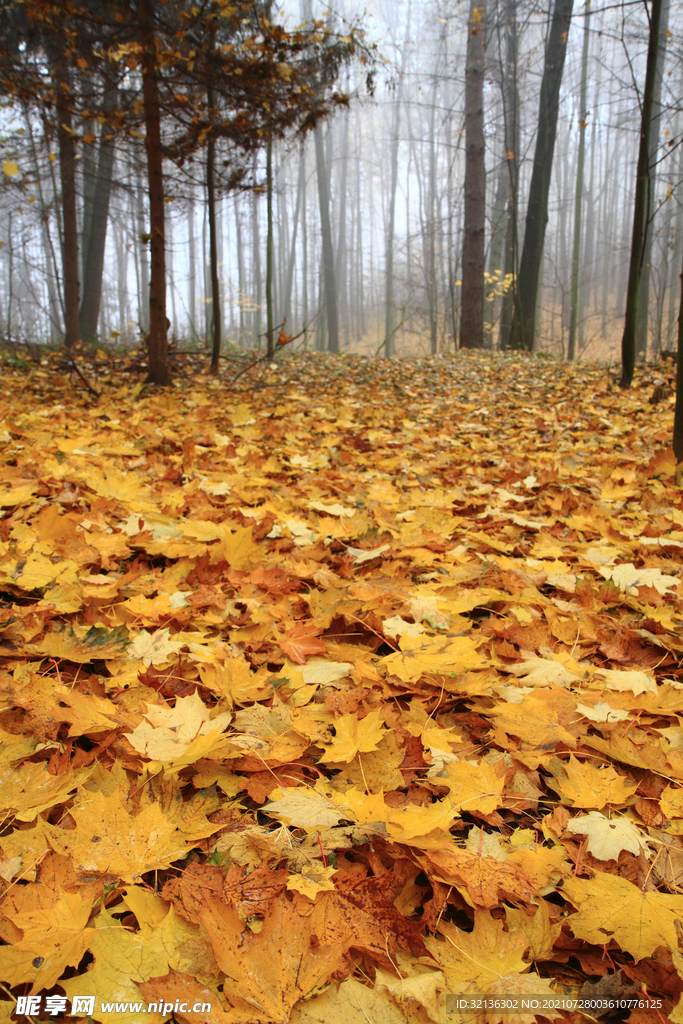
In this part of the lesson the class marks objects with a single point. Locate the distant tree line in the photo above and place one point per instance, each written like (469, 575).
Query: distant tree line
(514, 184)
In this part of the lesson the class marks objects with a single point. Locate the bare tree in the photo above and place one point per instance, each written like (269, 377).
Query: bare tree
(473, 253)
(642, 198)
(578, 198)
(523, 329)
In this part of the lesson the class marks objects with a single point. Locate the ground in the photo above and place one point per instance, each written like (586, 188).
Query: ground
(340, 690)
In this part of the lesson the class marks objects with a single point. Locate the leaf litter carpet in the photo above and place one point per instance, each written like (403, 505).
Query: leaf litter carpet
(343, 695)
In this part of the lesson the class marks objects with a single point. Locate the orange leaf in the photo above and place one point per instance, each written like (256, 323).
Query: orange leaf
(301, 642)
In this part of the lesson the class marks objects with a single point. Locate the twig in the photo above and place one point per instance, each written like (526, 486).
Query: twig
(262, 358)
(73, 366)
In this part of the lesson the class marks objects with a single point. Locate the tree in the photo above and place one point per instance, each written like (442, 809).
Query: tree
(265, 83)
(678, 414)
(157, 336)
(36, 46)
(95, 234)
(641, 202)
(67, 173)
(642, 315)
(578, 198)
(522, 331)
(211, 214)
(472, 315)
(390, 310)
(328, 268)
(511, 114)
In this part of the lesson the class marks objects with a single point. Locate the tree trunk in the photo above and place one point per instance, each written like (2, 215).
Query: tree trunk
(88, 169)
(496, 246)
(121, 273)
(678, 414)
(157, 336)
(213, 246)
(663, 276)
(473, 251)
(192, 280)
(675, 255)
(578, 197)
(270, 337)
(56, 305)
(95, 236)
(340, 260)
(360, 290)
(240, 271)
(67, 172)
(304, 256)
(641, 204)
(141, 241)
(430, 261)
(330, 282)
(292, 249)
(522, 332)
(389, 314)
(256, 261)
(511, 104)
(644, 287)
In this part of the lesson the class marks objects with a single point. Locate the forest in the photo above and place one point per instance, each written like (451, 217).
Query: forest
(372, 198)
(341, 512)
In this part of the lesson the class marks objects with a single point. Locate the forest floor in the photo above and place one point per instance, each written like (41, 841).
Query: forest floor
(340, 691)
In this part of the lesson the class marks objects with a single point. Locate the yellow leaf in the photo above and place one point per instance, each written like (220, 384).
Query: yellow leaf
(592, 786)
(29, 789)
(108, 841)
(122, 959)
(628, 578)
(473, 787)
(312, 879)
(480, 957)
(608, 837)
(426, 655)
(350, 1003)
(10, 168)
(169, 733)
(304, 808)
(610, 907)
(538, 927)
(354, 734)
(154, 648)
(671, 802)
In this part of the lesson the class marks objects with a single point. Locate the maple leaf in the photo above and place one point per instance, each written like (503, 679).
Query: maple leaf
(628, 578)
(301, 641)
(479, 958)
(608, 837)
(54, 936)
(28, 790)
(153, 648)
(304, 808)
(514, 987)
(540, 929)
(181, 734)
(122, 959)
(612, 907)
(423, 655)
(273, 969)
(349, 1003)
(353, 734)
(592, 786)
(108, 841)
